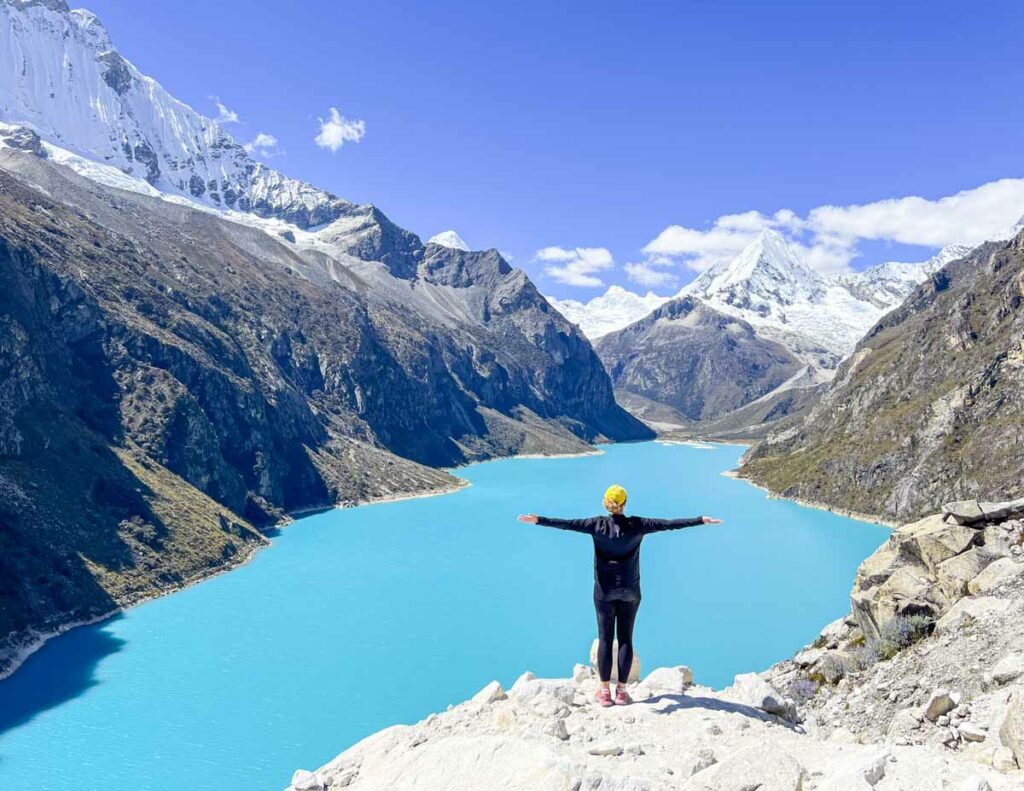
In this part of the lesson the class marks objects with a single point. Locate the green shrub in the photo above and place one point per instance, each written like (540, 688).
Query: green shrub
(901, 632)
(833, 668)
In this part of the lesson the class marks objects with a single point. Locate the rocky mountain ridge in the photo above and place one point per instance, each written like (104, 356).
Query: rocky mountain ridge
(699, 361)
(927, 409)
(173, 383)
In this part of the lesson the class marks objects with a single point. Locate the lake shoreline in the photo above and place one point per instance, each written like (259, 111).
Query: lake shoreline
(19, 652)
(860, 517)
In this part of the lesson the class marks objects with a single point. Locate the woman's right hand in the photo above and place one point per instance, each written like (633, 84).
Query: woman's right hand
(530, 519)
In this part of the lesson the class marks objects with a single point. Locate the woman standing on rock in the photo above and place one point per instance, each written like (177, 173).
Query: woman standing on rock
(617, 539)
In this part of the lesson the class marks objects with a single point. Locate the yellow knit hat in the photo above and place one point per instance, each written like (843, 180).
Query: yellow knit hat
(616, 494)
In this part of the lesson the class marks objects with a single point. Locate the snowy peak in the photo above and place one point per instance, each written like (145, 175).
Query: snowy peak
(61, 77)
(449, 239)
(1009, 233)
(766, 275)
(613, 310)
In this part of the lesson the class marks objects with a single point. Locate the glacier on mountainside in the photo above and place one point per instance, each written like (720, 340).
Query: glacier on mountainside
(613, 310)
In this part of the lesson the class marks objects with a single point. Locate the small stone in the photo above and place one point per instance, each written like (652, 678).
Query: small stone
(971, 732)
(304, 780)
(1008, 668)
(713, 730)
(635, 749)
(938, 704)
(557, 729)
(582, 673)
(527, 676)
(606, 748)
(704, 758)
(490, 694)
(942, 719)
(1003, 761)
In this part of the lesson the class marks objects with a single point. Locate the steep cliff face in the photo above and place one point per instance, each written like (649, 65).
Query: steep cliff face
(172, 382)
(929, 408)
(697, 360)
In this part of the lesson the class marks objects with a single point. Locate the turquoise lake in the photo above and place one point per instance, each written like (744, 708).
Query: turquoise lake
(357, 619)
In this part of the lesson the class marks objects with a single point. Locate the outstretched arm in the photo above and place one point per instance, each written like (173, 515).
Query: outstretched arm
(657, 525)
(576, 525)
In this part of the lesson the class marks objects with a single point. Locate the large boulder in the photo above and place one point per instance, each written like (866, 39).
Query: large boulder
(997, 572)
(931, 540)
(908, 591)
(763, 767)
(1011, 732)
(752, 690)
(970, 608)
(956, 572)
(561, 689)
(634, 671)
(1007, 509)
(671, 680)
(963, 512)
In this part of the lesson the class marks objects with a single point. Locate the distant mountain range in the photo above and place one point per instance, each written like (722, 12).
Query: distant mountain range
(778, 325)
(193, 345)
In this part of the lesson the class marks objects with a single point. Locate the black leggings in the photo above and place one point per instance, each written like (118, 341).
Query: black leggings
(612, 616)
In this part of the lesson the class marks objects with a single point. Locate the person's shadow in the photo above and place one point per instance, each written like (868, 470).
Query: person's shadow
(678, 702)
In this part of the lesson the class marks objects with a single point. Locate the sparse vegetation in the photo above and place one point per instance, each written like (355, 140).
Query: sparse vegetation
(803, 689)
(902, 632)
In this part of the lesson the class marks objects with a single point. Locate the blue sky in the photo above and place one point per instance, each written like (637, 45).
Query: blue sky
(535, 125)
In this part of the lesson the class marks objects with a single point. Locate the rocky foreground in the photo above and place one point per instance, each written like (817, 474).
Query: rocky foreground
(920, 687)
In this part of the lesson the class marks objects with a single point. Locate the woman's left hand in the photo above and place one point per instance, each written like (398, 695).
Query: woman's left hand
(709, 521)
(530, 519)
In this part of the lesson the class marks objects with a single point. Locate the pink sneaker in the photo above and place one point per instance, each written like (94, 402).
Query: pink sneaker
(604, 696)
(622, 697)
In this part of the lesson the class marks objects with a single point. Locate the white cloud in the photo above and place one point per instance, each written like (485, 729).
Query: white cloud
(224, 114)
(338, 130)
(827, 236)
(646, 275)
(263, 145)
(968, 217)
(575, 267)
(723, 241)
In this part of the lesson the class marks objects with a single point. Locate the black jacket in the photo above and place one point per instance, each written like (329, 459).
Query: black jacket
(617, 542)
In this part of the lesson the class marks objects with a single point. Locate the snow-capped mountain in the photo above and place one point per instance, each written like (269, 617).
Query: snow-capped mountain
(1009, 233)
(613, 310)
(886, 285)
(449, 239)
(61, 76)
(768, 286)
